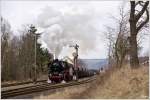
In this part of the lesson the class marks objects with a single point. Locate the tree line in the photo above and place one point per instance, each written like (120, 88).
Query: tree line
(22, 55)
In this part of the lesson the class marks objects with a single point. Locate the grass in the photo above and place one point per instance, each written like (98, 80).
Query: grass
(123, 83)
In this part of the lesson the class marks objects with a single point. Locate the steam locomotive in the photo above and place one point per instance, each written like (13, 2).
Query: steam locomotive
(62, 71)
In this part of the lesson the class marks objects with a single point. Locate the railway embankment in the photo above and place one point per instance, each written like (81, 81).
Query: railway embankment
(124, 83)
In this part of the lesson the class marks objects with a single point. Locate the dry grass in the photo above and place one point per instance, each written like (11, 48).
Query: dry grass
(20, 81)
(121, 83)
(65, 93)
(125, 83)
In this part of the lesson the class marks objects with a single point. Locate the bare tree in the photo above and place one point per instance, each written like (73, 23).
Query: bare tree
(121, 45)
(135, 26)
(5, 48)
(109, 34)
(118, 44)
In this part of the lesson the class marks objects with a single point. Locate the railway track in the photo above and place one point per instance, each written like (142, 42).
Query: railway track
(41, 87)
(20, 83)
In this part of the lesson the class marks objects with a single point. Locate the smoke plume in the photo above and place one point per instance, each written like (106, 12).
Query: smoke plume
(64, 28)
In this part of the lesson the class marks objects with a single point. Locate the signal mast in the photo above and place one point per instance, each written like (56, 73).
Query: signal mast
(75, 55)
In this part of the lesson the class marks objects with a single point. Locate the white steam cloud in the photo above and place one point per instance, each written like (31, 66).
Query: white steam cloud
(63, 28)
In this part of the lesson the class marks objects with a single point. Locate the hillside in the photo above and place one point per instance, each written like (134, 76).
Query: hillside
(94, 63)
(118, 84)
(122, 84)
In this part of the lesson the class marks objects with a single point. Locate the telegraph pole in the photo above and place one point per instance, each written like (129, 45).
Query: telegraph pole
(36, 35)
(35, 71)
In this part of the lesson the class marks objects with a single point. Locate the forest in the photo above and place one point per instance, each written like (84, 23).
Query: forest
(20, 54)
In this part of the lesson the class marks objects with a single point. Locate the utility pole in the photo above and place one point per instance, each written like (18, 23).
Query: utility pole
(75, 59)
(36, 35)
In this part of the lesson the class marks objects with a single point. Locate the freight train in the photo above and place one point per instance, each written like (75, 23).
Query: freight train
(62, 71)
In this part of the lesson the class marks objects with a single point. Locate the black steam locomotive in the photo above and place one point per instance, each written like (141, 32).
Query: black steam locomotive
(62, 71)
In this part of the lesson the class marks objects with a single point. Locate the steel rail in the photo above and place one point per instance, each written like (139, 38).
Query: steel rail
(41, 87)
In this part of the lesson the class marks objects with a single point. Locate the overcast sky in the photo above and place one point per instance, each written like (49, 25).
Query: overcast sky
(80, 22)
